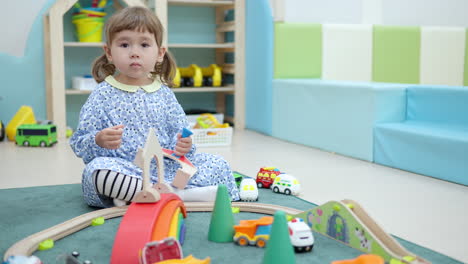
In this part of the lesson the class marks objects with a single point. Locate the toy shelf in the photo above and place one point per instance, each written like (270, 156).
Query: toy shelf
(222, 46)
(57, 59)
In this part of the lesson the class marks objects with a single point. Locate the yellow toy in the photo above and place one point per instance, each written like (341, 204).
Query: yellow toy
(209, 121)
(25, 115)
(212, 75)
(176, 80)
(192, 76)
(188, 260)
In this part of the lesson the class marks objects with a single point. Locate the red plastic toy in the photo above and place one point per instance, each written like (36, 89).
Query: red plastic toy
(266, 176)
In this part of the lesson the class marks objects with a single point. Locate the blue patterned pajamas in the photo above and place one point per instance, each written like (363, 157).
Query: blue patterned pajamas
(108, 106)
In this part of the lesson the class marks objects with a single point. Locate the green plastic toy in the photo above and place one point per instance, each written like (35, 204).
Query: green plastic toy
(98, 221)
(46, 244)
(222, 218)
(279, 249)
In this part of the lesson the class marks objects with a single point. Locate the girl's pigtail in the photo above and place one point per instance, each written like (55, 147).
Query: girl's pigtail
(167, 69)
(102, 68)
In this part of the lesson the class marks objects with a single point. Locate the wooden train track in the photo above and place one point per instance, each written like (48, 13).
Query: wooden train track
(30, 244)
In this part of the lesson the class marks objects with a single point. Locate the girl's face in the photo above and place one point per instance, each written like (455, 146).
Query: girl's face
(134, 54)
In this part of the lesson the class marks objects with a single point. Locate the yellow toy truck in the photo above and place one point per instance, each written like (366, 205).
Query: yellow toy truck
(212, 76)
(190, 76)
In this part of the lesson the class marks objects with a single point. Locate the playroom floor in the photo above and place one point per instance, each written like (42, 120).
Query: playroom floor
(423, 210)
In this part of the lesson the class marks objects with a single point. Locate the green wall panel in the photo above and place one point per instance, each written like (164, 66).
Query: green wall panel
(465, 76)
(298, 50)
(396, 53)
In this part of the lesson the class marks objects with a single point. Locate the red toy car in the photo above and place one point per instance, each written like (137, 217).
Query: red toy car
(266, 176)
(156, 251)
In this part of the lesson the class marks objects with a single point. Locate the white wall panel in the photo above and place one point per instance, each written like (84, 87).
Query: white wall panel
(450, 13)
(320, 11)
(17, 19)
(442, 55)
(347, 52)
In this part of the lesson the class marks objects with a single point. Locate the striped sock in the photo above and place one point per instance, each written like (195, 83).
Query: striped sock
(116, 185)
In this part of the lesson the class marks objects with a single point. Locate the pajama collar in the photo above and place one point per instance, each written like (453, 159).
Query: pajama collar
(150, 88)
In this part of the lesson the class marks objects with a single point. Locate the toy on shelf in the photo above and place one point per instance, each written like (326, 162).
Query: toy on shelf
(89, 21)
(25, 115)
(209, 121)
(248, 190)
(287, 184)
(212, 75)
(363, 259)
(36, 135)
(177, 81)
(266, 176)
(190, 76)
(195, 76)
(2, 131)
(301, 235)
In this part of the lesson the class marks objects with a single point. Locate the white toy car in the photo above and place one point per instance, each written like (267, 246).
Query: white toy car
(301, 235)
(287, 184)
(248, 190)
(23, 260)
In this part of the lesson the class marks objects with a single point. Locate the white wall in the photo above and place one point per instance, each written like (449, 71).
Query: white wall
(385, 12)
(16, 20)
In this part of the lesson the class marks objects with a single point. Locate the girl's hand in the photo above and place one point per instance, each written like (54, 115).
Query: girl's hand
(183, 146)
(110, 138)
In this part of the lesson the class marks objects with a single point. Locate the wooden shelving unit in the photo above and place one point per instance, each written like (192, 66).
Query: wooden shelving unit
(54, 54)
(220, 48)
(54, 46)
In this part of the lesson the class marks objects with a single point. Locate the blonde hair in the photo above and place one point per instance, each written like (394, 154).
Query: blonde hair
(140, 19)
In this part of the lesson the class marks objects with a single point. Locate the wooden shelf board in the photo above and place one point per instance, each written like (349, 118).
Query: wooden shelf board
(201, 2)
(203, 45)
(228, 88)
(83, 44)
(228, 68)
(226, 27)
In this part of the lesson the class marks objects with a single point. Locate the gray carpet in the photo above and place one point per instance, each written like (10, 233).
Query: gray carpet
(25, 211)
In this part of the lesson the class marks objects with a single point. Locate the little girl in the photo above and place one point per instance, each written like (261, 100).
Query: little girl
(133, 96)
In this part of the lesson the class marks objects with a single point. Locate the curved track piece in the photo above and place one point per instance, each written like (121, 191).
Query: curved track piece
(29, 244)
(348, 223)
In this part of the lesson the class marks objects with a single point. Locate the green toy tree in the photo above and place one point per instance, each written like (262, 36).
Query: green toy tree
(279, 249)
(222, 218)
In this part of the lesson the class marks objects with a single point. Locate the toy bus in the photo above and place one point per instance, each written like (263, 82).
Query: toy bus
(36, 135)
